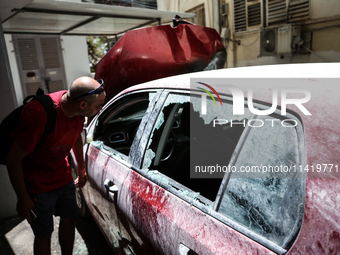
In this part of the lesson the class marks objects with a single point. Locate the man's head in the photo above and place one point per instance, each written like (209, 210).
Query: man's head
(87, 95)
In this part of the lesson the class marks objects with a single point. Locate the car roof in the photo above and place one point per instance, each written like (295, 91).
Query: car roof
(323, 105)
(303, 76)
(308, 71)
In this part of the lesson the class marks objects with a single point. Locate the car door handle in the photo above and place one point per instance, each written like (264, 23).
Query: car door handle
(184, 250)
(110, 186)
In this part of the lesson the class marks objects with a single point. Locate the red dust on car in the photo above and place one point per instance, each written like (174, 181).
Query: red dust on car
(139, 151)
(151, 53)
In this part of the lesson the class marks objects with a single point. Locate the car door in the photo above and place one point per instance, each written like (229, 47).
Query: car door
(113, 135)
(180, 213)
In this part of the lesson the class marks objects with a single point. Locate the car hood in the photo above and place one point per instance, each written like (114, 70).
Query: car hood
(151, 53)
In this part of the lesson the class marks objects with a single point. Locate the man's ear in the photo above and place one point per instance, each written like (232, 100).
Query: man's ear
(83, 105)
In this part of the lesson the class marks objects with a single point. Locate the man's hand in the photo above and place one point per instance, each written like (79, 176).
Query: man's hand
(24, 206)
(78, 152)
(16, 176)
(82, 178)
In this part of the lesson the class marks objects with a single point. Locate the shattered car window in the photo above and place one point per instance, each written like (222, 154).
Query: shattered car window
(176, 139)
(117, 127)
(270, 204)
(186, 144)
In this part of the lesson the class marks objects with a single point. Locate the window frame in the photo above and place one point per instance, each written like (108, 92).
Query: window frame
(301, 154)
(204, 204)
(110, 107)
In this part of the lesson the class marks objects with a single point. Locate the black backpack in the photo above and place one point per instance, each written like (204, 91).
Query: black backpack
(9, 124)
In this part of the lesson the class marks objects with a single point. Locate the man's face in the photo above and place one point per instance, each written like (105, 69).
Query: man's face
(96, 106)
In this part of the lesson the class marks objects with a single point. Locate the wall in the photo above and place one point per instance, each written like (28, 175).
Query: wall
(210, 7)
(74, 49)
(14, 69)
(8, 103)
(324, 26)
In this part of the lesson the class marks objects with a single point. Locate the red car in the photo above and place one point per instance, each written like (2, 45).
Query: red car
(151, 53)
(158, 157)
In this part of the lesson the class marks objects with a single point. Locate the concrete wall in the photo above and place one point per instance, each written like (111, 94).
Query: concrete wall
(8, 103)
(76, 61)
(14, 69)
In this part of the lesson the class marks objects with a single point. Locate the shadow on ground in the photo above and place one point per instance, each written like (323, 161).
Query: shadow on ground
(16, 238)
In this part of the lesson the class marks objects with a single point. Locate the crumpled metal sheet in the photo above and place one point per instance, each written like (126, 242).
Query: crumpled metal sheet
(155, 52)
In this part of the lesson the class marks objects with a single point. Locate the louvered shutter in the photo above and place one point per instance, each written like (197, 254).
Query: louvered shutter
(240, 15)
(253, 13)
(28, 54)
(277, 11)
(40, 63)
(247, 14)
(298, 10)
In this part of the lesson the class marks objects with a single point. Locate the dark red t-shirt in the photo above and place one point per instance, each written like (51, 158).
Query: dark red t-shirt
(46, 168)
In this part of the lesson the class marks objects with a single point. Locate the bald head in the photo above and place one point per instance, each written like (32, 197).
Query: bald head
(82, 86)
(77, 101)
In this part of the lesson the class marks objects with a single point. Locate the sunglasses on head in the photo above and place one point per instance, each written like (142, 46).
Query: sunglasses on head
(98, 90)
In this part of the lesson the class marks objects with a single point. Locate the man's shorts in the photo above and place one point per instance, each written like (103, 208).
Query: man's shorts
(61, 202)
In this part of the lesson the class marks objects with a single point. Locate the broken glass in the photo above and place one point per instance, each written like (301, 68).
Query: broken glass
(268, 201)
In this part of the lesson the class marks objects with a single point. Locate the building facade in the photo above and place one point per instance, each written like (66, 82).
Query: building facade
(259, 32)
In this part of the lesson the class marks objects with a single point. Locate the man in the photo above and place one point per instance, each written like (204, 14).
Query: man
(41, 175)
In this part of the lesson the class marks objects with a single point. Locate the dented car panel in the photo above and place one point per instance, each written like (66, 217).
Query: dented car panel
(155, 52)
(143, 210)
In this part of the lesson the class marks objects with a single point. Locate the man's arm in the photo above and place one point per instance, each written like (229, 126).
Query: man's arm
(78, 152)
(16, 175)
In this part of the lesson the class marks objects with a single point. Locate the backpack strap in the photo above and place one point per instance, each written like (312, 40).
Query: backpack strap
(51, 112)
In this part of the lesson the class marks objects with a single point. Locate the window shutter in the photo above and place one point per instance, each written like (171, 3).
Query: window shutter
(50, 50)
(28, 53)
(240, 15)
(298, 10)
(254, 14)
(247, 14)
(277, 11)
(31, 88)
(56, 86)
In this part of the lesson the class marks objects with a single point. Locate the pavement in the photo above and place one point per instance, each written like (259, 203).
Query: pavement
(16, 238)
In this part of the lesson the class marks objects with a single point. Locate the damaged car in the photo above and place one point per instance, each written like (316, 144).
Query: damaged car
(156, 52)
(153, 152)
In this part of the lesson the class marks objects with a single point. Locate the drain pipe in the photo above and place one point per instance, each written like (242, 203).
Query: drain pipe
(218, 17)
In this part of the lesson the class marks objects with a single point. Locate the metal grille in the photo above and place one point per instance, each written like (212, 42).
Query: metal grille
(31, 88)
(49, 47)
(298, 10)
(254, 14)
(240, 15)
(28, 53)
(277, 11)
(55, 86)
(150, 4)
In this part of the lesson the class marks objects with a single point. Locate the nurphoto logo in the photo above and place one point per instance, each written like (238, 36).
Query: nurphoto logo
(239, 100)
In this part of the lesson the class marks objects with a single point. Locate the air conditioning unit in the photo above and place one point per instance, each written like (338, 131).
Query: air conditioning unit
(284, 39)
